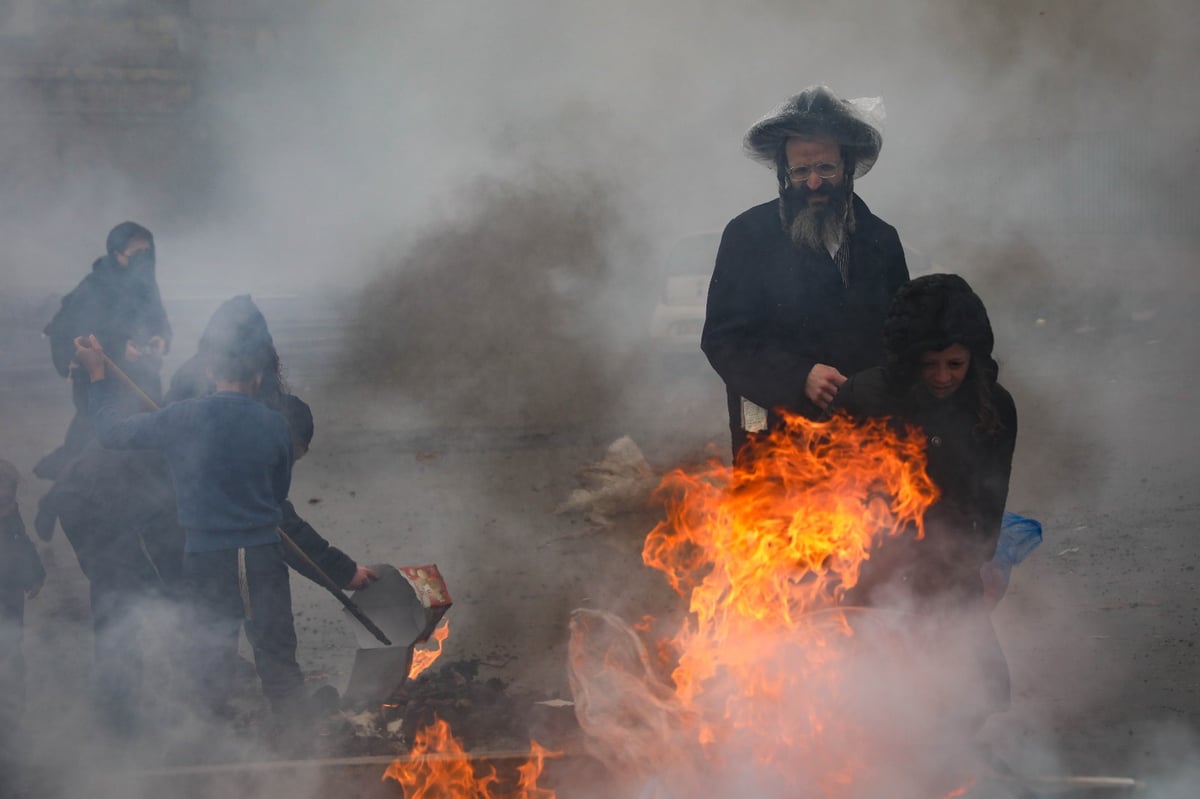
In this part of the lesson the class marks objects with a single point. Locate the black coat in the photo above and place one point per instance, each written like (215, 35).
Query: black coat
(117, 304)
(970, 468)
(20, 570)
(117, 508)
(775, 309)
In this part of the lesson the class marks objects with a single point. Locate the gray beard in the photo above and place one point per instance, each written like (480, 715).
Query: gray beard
(819, 227)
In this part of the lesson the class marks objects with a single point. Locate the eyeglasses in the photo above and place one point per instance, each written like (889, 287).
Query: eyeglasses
(825, 171)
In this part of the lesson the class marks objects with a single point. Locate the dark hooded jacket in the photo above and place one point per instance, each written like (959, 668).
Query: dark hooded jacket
(970, 435)
(20, 569)
(117, 508)
(970, 468)
(775, 309)
(239, 321)
(116, 304)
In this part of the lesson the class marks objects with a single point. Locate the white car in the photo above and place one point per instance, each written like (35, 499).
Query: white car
(679, 315)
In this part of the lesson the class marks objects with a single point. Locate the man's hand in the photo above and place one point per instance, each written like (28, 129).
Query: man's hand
(363, 576)
(32, 592)
(157, 345)
(90, 356)
(822, 384)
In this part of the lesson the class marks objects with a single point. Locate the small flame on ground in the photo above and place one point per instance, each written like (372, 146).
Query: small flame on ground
(439, 768)
(424, 658)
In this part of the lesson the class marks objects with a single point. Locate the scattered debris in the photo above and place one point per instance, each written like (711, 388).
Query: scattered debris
(372, 725)
(484, 714)
(619, 483)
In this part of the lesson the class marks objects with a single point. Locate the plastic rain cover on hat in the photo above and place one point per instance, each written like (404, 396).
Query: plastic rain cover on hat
(857, 125)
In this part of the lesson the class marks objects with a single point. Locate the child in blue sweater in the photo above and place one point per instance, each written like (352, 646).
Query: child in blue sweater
(230, 458)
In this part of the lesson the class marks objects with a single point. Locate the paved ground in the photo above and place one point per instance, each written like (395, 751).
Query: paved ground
(1099, 626)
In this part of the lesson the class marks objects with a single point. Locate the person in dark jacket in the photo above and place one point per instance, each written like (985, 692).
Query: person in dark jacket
(939, 376)
(119, 303)
(801, 284)
(21, 577)
(239, 319)
(117, 509)
(230, 459)
(239, 322)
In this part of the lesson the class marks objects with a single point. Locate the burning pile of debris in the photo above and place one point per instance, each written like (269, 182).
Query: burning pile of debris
(771, 685)
(485, 713)
(394, 697)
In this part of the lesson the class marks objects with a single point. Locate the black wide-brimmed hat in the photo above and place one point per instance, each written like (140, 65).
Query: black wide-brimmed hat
(816, 111)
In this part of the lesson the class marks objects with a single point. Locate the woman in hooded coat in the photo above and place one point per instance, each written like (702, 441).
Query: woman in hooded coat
(118, 302)
(939, 376)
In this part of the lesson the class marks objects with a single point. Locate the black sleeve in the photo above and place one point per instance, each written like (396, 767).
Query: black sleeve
(864, 396)
(736, 336)
(337, 564)
(61, 332)
(31, 571)
(897, 265)
(995, 471)
(846, 400)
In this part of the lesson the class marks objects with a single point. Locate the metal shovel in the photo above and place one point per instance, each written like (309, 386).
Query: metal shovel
(406, 603)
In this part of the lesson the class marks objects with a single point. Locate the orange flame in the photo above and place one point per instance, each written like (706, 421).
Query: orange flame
(424, 658)
(439, 768)
(757, 548)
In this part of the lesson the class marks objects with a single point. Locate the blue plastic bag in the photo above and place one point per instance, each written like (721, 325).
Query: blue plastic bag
(1019, 535)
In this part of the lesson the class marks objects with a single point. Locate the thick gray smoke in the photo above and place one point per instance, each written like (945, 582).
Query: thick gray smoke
(477, 200)
(492, 316)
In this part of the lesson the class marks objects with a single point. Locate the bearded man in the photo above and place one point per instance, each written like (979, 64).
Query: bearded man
(802, 283)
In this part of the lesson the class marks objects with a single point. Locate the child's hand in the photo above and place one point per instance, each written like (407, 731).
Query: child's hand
(363, 577)
(90, 355)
